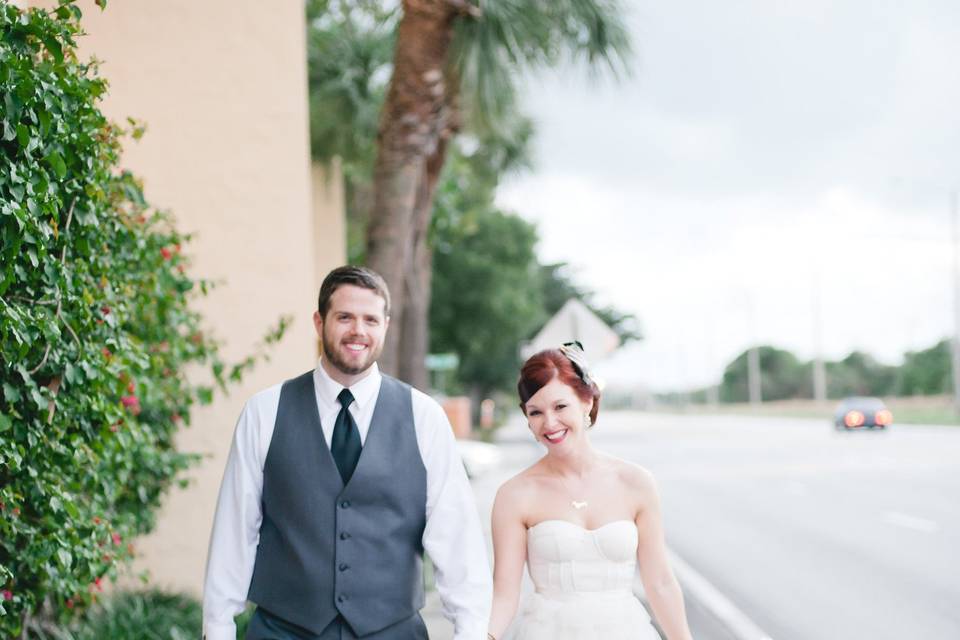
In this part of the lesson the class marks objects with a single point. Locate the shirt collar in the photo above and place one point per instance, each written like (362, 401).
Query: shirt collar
(363, 391)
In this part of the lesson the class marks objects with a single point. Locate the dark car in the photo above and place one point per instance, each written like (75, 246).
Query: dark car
(862, 413)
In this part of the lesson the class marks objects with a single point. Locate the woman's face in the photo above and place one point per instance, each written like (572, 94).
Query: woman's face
(556, 415)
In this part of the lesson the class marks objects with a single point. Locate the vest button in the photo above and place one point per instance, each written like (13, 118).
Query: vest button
(343, 566)
(344, 535)
(345, 504)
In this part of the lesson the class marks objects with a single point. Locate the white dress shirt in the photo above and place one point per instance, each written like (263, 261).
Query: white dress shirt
(452, 537)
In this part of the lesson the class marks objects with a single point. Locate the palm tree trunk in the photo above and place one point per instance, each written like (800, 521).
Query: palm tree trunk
(415, 338)
(413, 119)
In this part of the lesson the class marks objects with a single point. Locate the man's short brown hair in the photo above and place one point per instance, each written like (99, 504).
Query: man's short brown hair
(356, 276)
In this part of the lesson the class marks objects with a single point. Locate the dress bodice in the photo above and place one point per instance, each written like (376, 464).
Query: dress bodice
(565, 558)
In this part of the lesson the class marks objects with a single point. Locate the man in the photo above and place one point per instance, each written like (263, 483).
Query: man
(336, 483)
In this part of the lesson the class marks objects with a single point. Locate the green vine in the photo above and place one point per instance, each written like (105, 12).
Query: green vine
(96, 330)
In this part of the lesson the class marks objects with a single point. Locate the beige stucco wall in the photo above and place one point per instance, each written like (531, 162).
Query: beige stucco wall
(222, 87)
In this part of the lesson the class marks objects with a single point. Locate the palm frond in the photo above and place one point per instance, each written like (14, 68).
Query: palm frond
(514, 37)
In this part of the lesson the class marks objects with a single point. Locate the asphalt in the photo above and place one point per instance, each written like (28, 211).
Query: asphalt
(711, 615)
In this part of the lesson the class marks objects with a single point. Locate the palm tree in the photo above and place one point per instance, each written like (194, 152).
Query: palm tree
(456, 65)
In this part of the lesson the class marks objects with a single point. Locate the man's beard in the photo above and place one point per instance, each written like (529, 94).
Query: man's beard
(333, 357)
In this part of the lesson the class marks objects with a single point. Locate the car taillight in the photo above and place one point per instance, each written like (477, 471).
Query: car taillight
(853, 419)
(884, 417)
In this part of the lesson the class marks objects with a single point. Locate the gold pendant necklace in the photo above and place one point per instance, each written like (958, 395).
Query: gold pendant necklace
(576, 504)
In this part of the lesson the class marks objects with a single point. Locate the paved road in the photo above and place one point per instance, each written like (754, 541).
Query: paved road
(815, 535)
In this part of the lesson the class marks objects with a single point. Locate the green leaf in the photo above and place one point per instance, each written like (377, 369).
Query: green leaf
(23, 135)
(101, 3)
(65, 557)
(71, 509)
(5, 422)
(53, 47)
(59, 166)
(10, 392)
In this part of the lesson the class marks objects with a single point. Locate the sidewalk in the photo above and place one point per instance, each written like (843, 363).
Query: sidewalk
(519, 451)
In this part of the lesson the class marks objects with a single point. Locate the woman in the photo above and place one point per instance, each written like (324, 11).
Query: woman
(581, 520)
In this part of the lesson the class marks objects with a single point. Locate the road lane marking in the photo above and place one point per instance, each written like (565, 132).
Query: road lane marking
(720, 607)
(910, 522)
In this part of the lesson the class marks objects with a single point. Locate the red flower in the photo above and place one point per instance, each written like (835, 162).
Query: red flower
(69, 603)
(97, 520)
(131, 386)
(117, 539)
(132, 403)
(166, 253)
(106, 353)
(16, 511)
(7, 595)
(105, 310)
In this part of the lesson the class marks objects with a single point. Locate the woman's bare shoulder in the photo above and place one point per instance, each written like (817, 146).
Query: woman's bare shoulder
(523, 484)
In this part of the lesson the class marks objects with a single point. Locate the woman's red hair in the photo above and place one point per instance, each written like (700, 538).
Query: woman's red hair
(544, 366)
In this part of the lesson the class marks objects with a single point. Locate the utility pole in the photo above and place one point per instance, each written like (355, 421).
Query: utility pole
(753, 376)
(819, 370)
(754, 384)
(955, 281)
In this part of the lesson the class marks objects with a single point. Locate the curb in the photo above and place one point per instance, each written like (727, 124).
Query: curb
(717, 605)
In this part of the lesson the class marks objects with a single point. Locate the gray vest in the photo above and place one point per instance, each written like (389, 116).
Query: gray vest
(328, 549)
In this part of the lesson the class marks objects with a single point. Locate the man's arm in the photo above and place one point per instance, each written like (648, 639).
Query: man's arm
(453, 538)
(236, 529)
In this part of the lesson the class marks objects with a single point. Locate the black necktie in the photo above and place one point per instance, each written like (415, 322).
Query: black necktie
(345, 445)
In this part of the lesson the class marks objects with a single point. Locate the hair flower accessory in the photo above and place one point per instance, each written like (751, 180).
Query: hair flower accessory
(574, 353)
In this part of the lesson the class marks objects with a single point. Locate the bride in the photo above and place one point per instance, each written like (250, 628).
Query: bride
(581, 520)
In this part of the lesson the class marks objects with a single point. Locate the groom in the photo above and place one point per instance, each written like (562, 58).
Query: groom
(336, 483)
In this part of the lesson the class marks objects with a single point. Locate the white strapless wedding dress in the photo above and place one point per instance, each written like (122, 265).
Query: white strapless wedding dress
(584, 584)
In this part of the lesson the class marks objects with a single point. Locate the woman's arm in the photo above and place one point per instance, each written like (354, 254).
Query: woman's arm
(509, 555)
(659, 583)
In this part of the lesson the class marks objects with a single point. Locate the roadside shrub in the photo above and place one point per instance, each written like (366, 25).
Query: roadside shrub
(96, 330)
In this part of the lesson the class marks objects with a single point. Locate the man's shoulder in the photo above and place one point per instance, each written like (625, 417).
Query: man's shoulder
(265, 398)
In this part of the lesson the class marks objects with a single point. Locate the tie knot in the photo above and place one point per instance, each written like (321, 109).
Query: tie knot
(345, 398)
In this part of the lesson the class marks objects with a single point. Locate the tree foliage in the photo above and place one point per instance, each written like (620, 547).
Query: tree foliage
(926, 372)
(783, 376)
(486, 293)
(96, 328)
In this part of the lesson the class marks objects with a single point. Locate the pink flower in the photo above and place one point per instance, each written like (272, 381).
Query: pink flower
(7, 594)
(132, 403)
(117, 539)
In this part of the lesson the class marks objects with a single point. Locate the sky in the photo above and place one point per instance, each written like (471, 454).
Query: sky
(765, 164)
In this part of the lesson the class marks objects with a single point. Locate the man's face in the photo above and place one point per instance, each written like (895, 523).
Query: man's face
(353, 330)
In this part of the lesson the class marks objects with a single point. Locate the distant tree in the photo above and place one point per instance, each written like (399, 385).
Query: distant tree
(859, 374)
(926, 372)
(782, 377)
